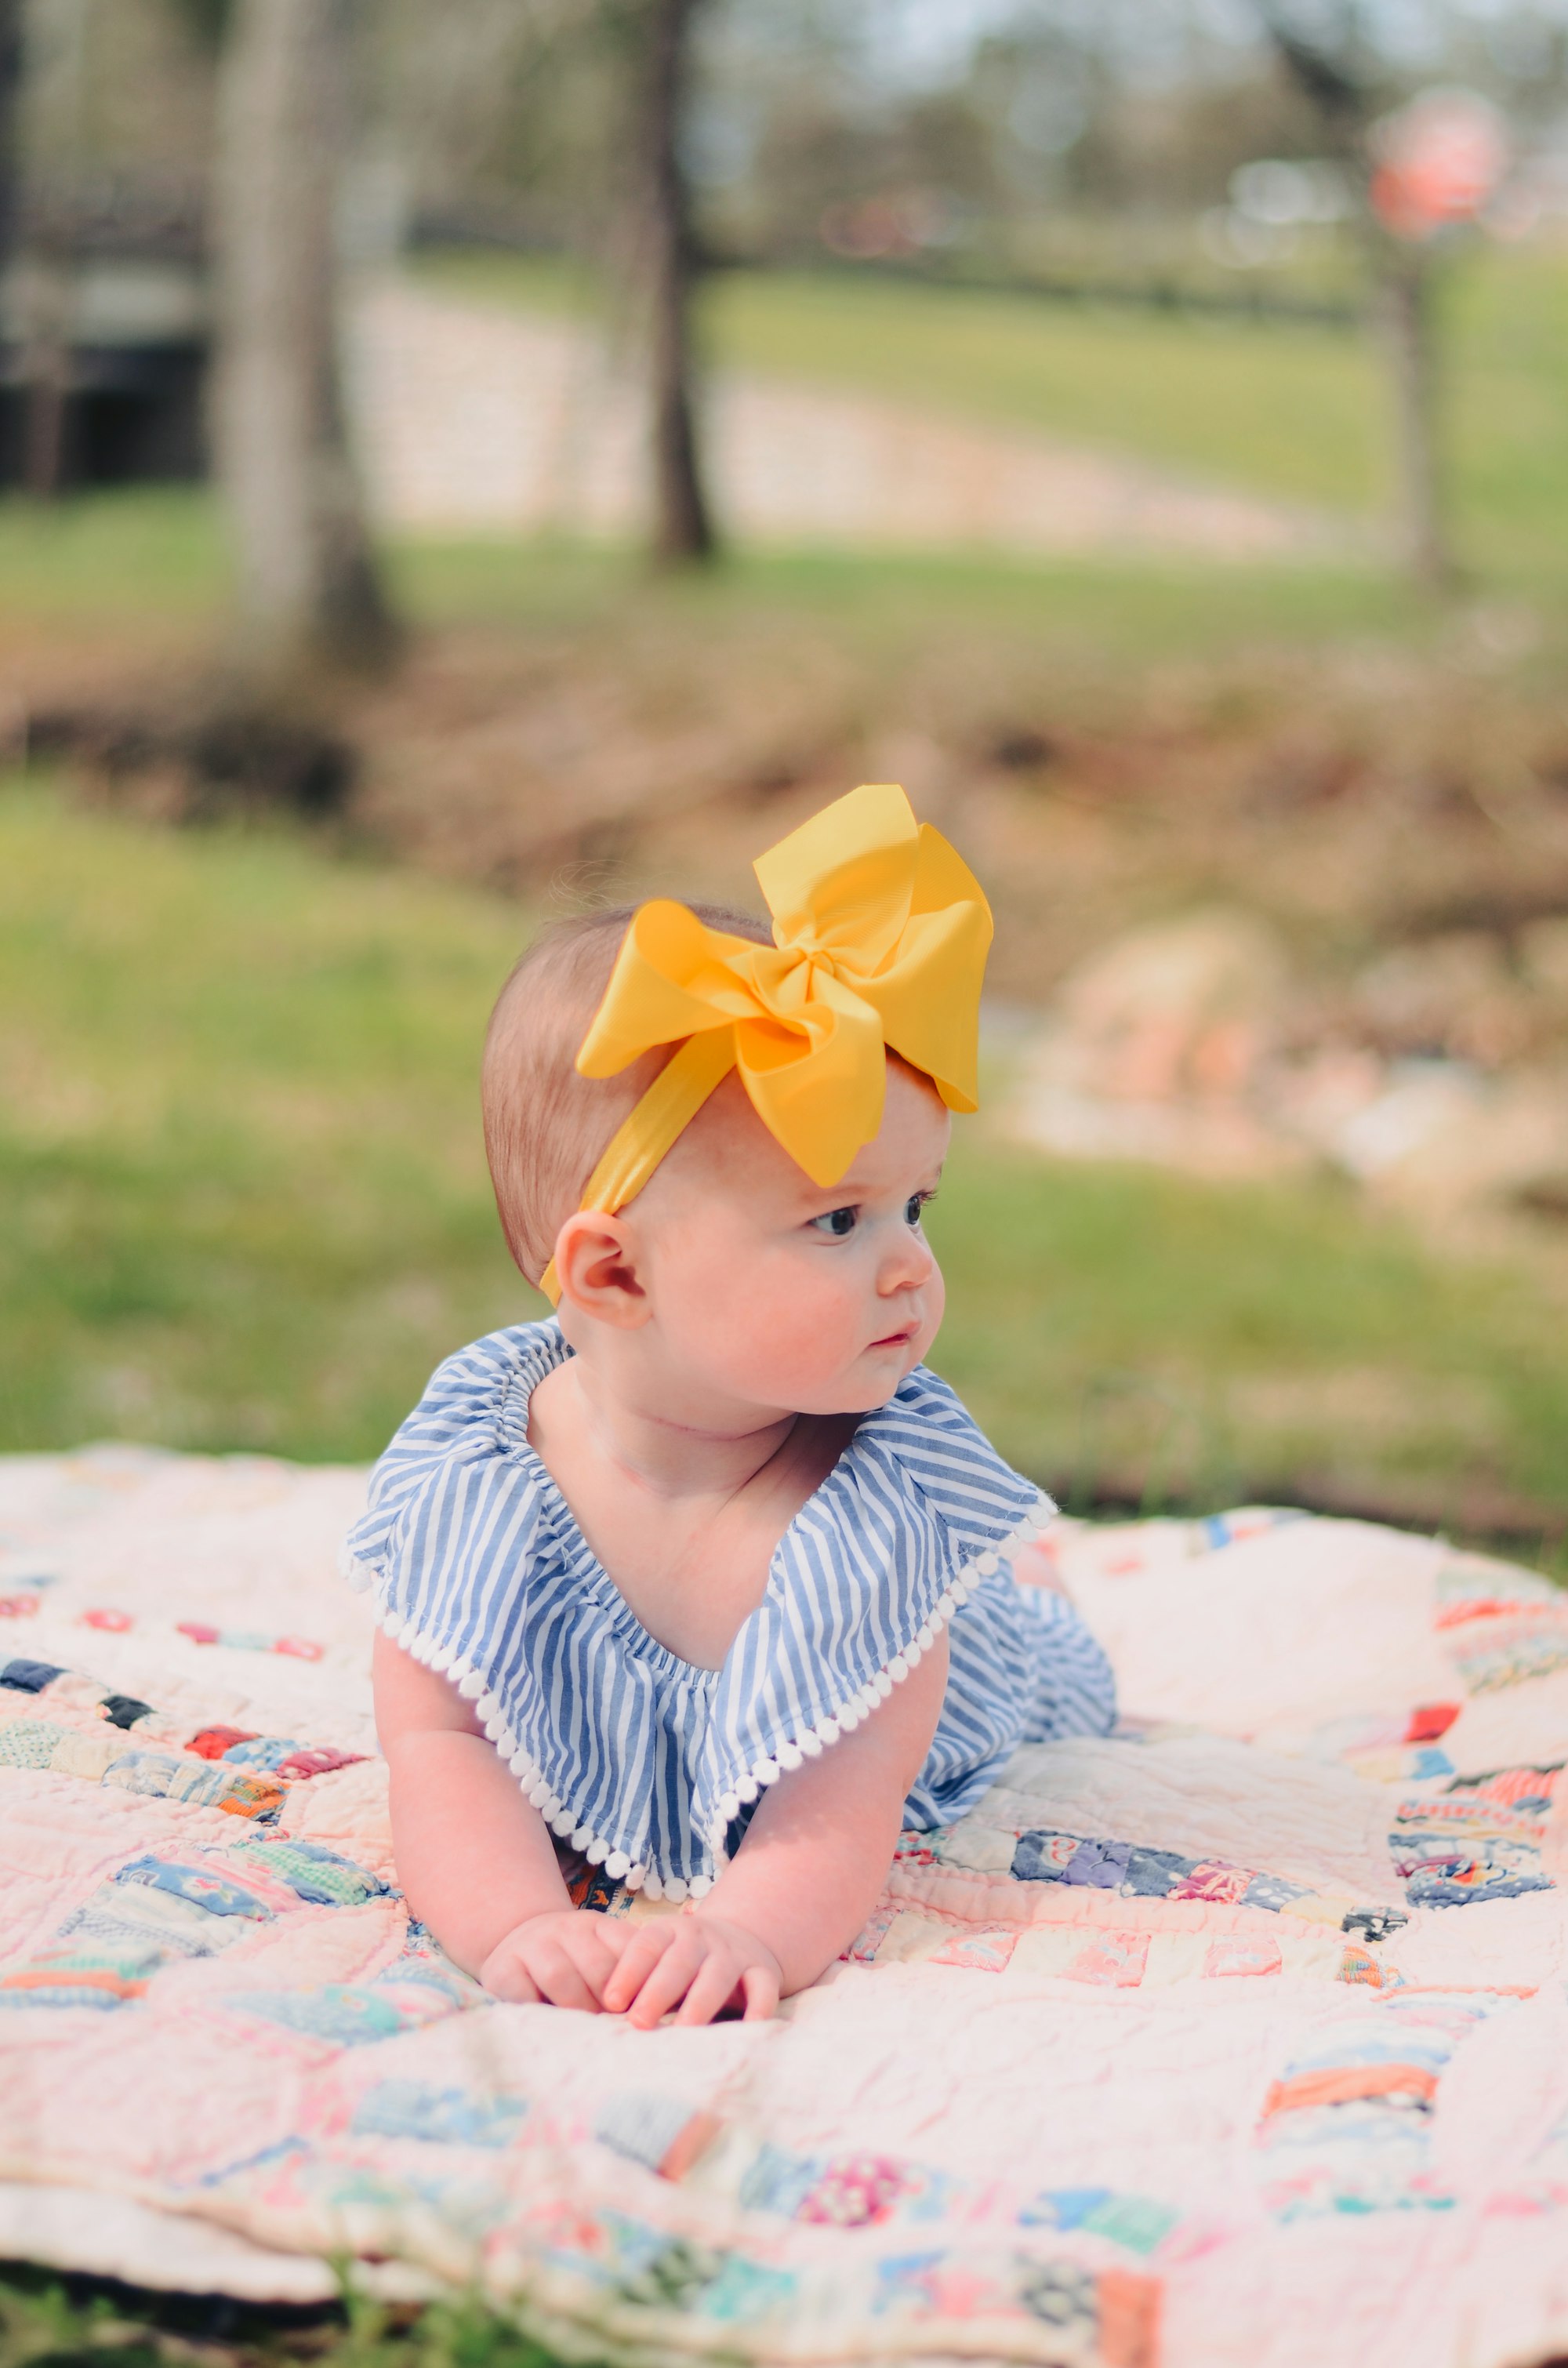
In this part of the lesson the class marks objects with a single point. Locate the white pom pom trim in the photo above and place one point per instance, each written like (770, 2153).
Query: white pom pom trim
(809, 1744)
(562, 1820)
(360, 1576)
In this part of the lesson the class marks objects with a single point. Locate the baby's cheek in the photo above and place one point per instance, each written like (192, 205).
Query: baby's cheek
(821, 1324)
(934, 1302)
(806, 1321)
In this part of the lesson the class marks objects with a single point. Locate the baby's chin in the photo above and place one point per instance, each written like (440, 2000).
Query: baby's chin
(870, 1382)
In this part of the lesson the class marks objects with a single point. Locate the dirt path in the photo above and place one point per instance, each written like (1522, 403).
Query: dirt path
(471, 417)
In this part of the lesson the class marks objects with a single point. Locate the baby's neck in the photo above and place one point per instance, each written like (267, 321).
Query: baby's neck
(684, 1516)
(669, 1459)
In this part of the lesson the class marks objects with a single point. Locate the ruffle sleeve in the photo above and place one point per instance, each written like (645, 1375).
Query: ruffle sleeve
(417, 1525)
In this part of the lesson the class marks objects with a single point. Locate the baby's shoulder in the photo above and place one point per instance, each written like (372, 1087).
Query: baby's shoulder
(458, 1462)
(484, 1388)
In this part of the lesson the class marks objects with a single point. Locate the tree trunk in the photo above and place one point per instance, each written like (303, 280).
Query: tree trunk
(10, 127)
(1335, 86)
(1405, 303)
(308, 590)
(43, 306)
(683, 525)
(44, 49)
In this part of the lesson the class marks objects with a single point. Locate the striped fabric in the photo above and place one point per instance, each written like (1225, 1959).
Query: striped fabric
(651, 1765)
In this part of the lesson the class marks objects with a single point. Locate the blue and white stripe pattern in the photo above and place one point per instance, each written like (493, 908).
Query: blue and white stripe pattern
(649, 1765)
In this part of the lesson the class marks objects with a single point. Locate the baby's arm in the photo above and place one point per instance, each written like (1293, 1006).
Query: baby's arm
(475, 1861)
(815, 1857)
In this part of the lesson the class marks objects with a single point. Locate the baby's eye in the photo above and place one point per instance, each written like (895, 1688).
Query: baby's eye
(915, 1207)
(836, 1222)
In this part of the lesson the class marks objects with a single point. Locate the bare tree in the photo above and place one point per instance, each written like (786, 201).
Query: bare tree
(10, 125)
(665, 248)
(308, 588)
(50, 44)
(1347, 93)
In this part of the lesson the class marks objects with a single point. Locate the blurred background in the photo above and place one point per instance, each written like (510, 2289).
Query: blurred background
(465, 459)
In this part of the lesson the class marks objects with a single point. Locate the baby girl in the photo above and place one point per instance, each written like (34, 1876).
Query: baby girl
(709, 1576)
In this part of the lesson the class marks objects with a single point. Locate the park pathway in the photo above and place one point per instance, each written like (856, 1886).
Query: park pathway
(473, 418)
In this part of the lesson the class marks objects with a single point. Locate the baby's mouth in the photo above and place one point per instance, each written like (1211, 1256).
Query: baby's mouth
(899, 1339)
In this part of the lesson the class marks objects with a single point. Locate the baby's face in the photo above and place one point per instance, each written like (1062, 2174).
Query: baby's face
(767, 1291)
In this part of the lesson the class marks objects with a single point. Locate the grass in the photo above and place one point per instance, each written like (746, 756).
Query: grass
(110, 559)
(125, 561)
(239, 1147)
(242, 1205)
(50, 2322)
(1217, 1343)
(1295, 410)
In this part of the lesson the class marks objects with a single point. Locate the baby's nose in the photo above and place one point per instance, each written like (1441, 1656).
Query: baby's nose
(908, 1262)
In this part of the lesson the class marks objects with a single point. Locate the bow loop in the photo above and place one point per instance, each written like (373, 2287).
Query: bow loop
(845, 881)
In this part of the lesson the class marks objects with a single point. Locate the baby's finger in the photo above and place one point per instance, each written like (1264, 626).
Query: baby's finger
(594, 1961)
(668, 1982)
(646, 1945)
(511, 1982)
(713, 1989)
(561, 1981)
(759, 1987)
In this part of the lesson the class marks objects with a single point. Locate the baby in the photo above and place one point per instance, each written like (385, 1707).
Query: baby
(709, 1576)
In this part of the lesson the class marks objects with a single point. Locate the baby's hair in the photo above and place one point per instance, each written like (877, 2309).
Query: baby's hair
(546, 1127)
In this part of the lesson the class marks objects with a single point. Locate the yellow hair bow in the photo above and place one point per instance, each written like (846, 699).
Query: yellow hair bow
(881, 932)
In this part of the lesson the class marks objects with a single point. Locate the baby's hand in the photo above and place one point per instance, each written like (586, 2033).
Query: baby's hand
(564, 1957)
(699, 1962)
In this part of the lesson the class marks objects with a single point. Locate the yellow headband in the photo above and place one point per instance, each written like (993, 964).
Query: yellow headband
(881, 932)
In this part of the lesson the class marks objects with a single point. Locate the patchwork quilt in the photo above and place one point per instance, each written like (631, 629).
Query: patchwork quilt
(1239, 2037)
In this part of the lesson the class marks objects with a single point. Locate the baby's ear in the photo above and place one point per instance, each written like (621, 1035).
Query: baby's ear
(595, 1266)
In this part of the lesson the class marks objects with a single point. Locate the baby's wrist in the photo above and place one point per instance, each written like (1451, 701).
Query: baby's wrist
(521, 1924)
(702, 1912)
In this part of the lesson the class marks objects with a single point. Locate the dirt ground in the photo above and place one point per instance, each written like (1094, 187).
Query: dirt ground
(1357, 799)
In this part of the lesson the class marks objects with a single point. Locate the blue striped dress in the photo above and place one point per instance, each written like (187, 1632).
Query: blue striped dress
(651, 1765)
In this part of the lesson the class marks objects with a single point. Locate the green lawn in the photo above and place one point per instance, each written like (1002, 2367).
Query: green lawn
(245, 1194)
(243, 1204)
(47, 2322)
(1292, 409)
(154, 557)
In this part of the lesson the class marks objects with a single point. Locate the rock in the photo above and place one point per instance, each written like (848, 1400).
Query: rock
(1155, 1046)
(1187, 1046)
(1453, 995)
(1484, 1145)
(1317, 1094)
(1185, 1007)
(1418, 1103)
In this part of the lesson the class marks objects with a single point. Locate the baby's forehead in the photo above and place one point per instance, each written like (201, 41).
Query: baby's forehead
(727, 1148)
